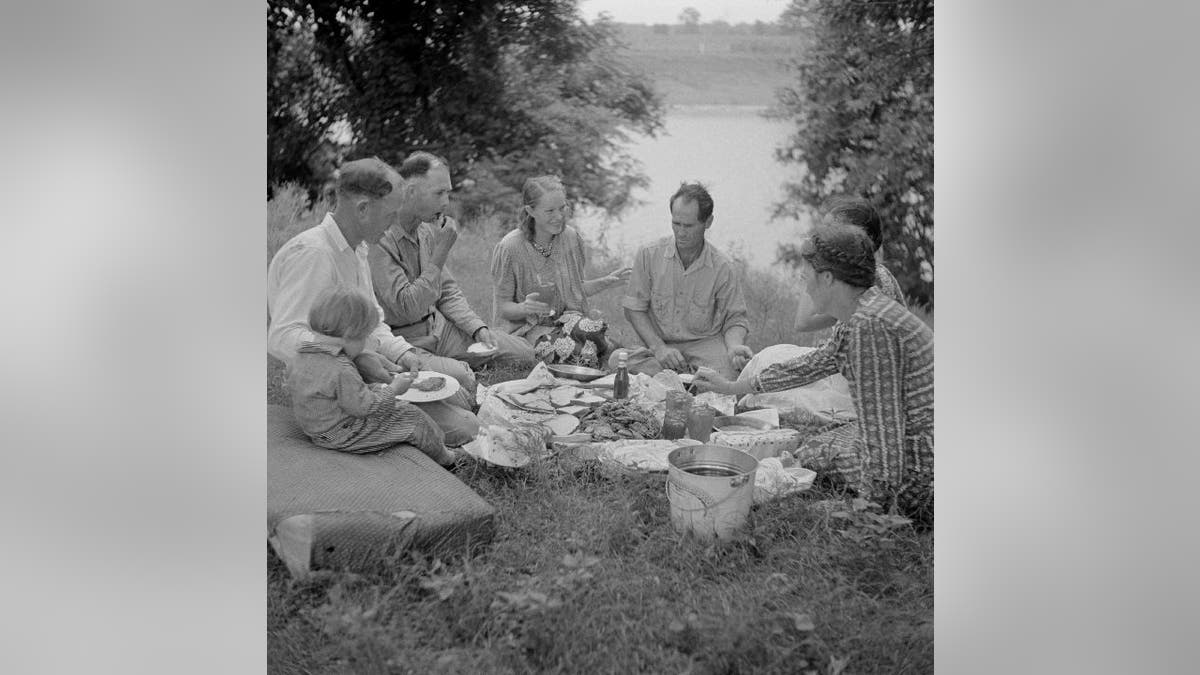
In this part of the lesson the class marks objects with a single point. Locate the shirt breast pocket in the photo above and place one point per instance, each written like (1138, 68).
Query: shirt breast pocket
(661, 305)
(700, 317)
(701, 309)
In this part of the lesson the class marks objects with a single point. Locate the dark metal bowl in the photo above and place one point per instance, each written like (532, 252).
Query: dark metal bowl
(581, 373)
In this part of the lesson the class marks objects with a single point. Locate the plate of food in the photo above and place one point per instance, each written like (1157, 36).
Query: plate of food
(430, 386)
(581, 373)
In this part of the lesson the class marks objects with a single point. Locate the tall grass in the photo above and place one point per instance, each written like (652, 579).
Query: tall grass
(586, 573)
(289, 213)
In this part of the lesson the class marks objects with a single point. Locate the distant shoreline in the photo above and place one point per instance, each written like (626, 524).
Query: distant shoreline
(714, 108)
(713, 69)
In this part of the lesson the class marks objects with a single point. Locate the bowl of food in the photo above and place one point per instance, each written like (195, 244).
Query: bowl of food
(740, 423)
(581, 373)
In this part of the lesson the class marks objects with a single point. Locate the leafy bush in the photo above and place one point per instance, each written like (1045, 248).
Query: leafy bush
(504, 89)
(863, 107)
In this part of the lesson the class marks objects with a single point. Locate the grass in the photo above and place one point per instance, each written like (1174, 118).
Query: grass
(586, 573)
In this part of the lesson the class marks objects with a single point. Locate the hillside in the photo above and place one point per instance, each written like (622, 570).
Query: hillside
(720, 68)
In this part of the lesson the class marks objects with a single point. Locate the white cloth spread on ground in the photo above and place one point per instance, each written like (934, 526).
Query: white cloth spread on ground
(826, 401)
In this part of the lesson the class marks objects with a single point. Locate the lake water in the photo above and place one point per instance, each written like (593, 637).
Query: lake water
(731, 150)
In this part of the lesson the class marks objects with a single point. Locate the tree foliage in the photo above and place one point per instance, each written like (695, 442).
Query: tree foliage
(863, 107)
(300, 104)
(689, 18)
(504, 89)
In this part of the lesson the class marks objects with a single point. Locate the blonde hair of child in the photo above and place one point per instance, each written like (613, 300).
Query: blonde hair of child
(343, 312)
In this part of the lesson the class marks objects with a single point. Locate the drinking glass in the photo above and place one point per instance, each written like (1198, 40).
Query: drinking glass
(675, 417)
(700, 422)
(547, 290)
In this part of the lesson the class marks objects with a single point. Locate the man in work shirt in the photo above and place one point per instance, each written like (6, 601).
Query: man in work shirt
(684, 299)
(421, 300)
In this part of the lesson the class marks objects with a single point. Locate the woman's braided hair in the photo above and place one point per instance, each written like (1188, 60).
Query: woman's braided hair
(843, 250)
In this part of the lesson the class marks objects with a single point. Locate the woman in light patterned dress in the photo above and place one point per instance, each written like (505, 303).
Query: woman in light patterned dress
(545, 256)
(886, 353)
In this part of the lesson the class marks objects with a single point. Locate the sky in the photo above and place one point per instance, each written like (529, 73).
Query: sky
(667, 11)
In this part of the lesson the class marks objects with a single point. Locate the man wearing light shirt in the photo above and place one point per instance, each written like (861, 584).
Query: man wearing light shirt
(684, 299)
(335, 252)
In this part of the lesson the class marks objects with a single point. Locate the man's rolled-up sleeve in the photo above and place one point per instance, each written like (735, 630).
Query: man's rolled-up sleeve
(454, 306)
(637, 292)
(732, 301)
(404, 300)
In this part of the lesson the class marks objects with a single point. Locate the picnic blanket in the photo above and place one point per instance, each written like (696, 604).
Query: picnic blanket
(339, 510)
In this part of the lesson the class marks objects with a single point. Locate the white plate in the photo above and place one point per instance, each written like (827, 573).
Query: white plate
(414, 395)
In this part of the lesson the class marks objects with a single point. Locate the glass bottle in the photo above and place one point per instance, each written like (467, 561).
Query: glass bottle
(621, 381)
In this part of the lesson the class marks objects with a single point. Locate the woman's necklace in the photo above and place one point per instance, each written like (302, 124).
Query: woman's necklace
(545, 251)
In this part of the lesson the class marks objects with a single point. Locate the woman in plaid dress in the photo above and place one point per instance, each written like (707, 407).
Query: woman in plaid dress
(332, 403)
(886, 353)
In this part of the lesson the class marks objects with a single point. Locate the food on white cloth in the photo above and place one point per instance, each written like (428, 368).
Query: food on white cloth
(539, 376)
(639, 454)
(562, 425)
(538, 400)
(509, 446)
(588, 400)
(669, 379)
(561, 396)
(621, 419)
(722, 403)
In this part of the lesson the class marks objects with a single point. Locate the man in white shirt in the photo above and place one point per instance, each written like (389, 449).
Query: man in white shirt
(335, 252)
